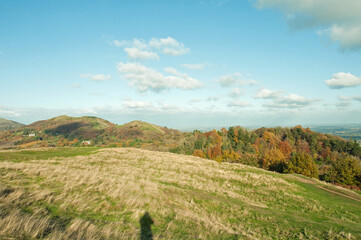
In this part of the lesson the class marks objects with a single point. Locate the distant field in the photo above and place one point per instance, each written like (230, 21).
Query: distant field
(346, 132)
(123, 193)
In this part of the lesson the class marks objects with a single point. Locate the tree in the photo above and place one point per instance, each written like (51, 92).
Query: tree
(302, 163)
(215, 152)
(285, 148)
(274, 160)
(356, 149)
(345, 171)
(303, 147)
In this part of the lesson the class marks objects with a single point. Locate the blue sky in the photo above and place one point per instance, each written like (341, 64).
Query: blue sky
(182, 64)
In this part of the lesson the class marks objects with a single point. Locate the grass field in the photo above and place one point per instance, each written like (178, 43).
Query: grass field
(124, 193)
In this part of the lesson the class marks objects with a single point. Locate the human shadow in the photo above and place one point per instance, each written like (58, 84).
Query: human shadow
(146, 227)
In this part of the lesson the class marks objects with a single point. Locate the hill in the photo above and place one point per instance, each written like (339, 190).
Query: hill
(127, 193)
(8, 124)
(286, 150)
(91, 131)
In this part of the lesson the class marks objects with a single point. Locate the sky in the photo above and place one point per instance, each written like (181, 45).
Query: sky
(182, 63)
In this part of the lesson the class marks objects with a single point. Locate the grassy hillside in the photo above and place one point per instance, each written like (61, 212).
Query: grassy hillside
(8, 124)
(123, 193)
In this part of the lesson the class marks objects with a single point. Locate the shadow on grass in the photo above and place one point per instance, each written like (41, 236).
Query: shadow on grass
(146, 227)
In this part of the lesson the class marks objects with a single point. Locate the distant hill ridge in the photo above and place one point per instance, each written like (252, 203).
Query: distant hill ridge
(75, 131)
(6, 124)
(63, 119)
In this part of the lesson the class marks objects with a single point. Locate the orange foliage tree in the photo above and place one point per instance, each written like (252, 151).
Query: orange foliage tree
(273, 159)
(285, 148)
(198, 153)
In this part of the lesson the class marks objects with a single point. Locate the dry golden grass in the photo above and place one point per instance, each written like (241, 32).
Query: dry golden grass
(103, 196)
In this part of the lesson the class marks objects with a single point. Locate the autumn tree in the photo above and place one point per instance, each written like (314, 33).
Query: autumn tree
(230, 156)
(285, 148)
(302, 163)
(198, 153)
(274, 160)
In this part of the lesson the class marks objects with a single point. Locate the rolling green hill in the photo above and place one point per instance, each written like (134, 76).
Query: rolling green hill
(127, 193)
(8, 124)
(92, 131)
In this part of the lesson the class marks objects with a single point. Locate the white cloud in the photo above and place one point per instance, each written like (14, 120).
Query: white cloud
(235, 93)
(136, 104)
(348, 37)
(343, 98)
(343, 104)
(199, 66)
(144, 78)
(234, 79)
(141, 49)
(241, 104)
(340, 20)
(291, 101)
(175, 52)
(118, 43)
(343, 80)
(353, 98)
(96, 77)
(135, 53)
(296, 99)
(169, 46)
(268, 94)
(276, 99)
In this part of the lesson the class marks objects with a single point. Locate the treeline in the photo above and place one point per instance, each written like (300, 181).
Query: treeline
(285, 150)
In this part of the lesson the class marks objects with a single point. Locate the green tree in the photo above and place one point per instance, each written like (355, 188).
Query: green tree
(345, 171)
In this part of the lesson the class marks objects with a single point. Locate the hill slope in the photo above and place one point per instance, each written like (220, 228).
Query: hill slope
(8, 124)
(125, 193)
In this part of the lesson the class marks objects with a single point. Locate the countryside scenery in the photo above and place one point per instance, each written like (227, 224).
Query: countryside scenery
(194, 119)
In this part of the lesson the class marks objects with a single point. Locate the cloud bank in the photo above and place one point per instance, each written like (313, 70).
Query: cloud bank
(268, 94)
(140, 49)
(144, 78)
(235, 79)
(343, 80)
(339, 20)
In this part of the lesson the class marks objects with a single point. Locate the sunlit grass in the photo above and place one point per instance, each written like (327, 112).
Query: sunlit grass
(79, 195)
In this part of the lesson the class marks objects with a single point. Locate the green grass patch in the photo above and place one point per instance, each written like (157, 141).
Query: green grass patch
(25, 155)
